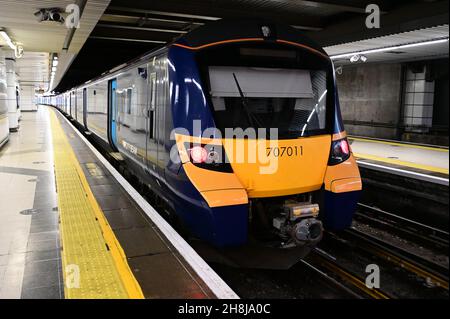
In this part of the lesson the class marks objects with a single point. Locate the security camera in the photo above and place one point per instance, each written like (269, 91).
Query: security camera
(355, 58)
(55, 15)
(49, 14)
(41, 15)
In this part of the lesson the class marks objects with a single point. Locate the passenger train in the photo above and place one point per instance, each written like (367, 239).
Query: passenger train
(4, 123)
(184, 116)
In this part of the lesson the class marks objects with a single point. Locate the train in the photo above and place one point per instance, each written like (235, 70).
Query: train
(4, 123)
(236, 127)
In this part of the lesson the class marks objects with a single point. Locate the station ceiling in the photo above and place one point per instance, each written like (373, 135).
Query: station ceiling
(128, 28)
(38, 39)
(436, 50)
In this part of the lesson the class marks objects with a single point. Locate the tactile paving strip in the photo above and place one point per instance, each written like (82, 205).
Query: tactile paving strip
(93, 261)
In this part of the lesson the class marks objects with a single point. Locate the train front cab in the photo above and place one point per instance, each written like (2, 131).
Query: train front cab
(231, 194)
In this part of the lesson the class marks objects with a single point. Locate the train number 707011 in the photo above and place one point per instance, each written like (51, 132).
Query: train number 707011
(284, 151)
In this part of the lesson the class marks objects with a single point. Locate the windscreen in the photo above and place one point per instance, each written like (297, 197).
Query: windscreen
(294, 101)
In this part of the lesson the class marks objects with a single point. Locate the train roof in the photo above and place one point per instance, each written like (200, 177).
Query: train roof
(223, 31)
(229, 30)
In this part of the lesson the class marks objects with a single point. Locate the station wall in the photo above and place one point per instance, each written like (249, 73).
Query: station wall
(375, 103)
(27, 98)
(370, 97)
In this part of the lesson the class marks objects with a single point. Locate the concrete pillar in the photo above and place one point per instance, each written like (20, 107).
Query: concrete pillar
(4, 123)
(11, 82)
(418, 100)
(27, 98)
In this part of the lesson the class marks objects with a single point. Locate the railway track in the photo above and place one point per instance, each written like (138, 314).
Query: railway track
(396, 259)
(406, 228)
(411, 244)
(315, 277)
(348, 281)
(432, 273)
(400, 278)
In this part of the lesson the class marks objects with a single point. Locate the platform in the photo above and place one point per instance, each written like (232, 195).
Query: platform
(71, 227)
(426, 162)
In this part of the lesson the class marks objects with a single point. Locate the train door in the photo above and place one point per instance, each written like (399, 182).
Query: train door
(85, 107)
(71, 106)
(161, 100)
(69, 103)
(112, 113)
(152, 150)
(74, 105)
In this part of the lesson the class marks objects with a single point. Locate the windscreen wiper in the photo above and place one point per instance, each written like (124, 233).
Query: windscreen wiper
(250, 118)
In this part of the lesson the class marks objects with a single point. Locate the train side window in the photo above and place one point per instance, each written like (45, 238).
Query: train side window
(151, 111)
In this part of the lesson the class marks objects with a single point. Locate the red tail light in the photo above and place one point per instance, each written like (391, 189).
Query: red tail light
(340, 152)
(345, 149)
(198, 154)
(207, 156)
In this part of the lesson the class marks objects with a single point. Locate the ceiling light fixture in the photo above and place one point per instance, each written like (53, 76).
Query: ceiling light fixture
(385, 49)
(8, 40)
(18, 49)
(54, 63)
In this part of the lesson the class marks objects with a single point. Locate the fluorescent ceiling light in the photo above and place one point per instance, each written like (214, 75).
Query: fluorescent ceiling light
(8, 40)
(18, 49)
(55, 62)
(385, 49)
(53, 68)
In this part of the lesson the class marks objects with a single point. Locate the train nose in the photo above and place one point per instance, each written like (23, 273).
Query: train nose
(307, 231)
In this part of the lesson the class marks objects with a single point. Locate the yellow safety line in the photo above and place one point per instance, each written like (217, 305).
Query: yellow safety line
(94, 264)
(399, 144)
(402, 163)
